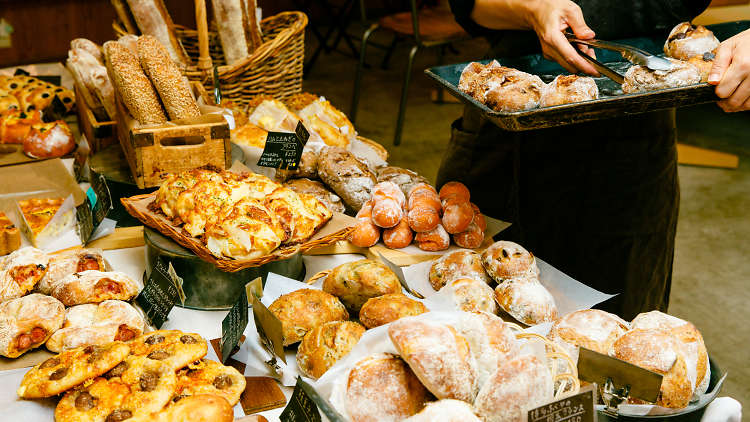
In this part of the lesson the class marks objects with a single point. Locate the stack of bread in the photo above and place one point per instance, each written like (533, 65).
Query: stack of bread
(27, 94)
(433, 216)
(655, 341)
(159, 376)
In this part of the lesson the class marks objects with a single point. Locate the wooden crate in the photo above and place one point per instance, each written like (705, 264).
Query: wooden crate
(153, 151)
(99, 134)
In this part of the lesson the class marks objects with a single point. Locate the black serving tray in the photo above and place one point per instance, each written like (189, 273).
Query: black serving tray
(611, 103)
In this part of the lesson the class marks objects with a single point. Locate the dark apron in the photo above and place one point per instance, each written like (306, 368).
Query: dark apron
(597, 200)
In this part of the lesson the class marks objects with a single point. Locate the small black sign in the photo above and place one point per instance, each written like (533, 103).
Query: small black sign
(233, 326)
(269, 328)
(283, 150)
(575, 408)
(159, 295)
(20, 71)
(50, 79)
(595, 367)
(55, 111)
(301, 407)
(103, 198)
(81, 161)
(94, 209)
(323, 404)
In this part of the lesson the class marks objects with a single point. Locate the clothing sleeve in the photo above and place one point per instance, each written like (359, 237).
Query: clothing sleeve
(462, 10)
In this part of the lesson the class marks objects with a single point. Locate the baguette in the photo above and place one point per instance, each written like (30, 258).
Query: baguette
(89, 46)
(232, 20)
(104, 90)
(80, 62)
(153, 19)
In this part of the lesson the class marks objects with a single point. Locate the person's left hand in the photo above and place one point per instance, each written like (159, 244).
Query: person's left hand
(731, 73)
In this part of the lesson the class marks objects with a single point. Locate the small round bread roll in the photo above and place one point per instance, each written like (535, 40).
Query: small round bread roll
(385, 309)
(643, 79)
(434, 240)
(661, 352)
(356, 282)
(461, 263)
(473, 295)
(303, 310)
(439, 356)
(703, 62)
(527, 301)
(382, 387)
(686, 41)
(405, 179)
(325, 345)
(490, 340)
(470, 76)
(446, 411)
(696, 354)
(505, 260)
(567, 89)
(509, 90)
(515, 388)
(591, 328)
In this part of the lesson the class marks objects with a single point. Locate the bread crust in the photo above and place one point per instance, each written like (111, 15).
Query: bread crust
(686, 41)
(22, 270)
(526, 300)
(642, 79)
(591, 328)
(301, 311)
(505, 260)
(491, 341)
(209, 377)
(350, 178)
(445, 410)
(473, 295)
(20, 317)
(95, 287)
(172, 347)
(65, 264)
(404, 178)
(389, 307)
(354, 283)
(319, 190)
(327, 344)
(462, 263)
(568, 89)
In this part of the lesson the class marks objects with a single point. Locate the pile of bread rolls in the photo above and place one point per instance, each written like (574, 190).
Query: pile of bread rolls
(655, 341)
(428, 217)
(27, 94)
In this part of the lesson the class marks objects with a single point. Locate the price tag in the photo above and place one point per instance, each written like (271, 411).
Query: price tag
(233, 326)
(595, 367)
(269, 327)
(159, 294)
(20, 71)
(576, 408)
(81, 162)
(283, 150)
(94, 209)
(300, 407)
(55, 111)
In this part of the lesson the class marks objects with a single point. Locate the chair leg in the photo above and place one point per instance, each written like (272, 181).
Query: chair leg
(404, 96)
(389, 53)
(360, 71)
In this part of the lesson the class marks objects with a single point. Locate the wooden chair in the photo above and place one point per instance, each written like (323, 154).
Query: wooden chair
(427, 27)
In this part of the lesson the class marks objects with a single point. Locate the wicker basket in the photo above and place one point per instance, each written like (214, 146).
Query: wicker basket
(275, 68)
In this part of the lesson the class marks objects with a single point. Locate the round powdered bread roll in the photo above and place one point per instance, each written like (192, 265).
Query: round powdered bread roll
(695, 353)
(387, 308)
(388, 204)
(301, 311)
(643, 79)
(490, 340)
(703, 62)
(354, 283)
(512, 390)
(473, 295)
(526, 300)
(322, 347)
(471, 238)
(365, 233)
(505, 260)
(446, 411)
(28, 322)
(661, 352)
(439, 356)
(470, 76)
(405, 179)
(382, 387)
(508, 90)
(462, 263)
(687, 41)
(567, 89)
(591, 328)
(434, 240)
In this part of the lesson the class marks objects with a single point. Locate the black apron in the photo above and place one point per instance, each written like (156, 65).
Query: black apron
(596, 200)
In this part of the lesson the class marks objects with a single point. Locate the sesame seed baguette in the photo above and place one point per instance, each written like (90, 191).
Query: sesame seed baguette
(136, 90)
(173, 89)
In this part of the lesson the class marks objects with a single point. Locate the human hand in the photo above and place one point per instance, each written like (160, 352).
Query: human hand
(731, 73)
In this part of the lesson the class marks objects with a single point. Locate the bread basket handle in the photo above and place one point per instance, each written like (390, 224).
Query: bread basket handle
(204, 61)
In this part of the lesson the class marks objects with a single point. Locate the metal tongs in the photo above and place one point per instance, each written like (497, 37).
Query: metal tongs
(632, 54)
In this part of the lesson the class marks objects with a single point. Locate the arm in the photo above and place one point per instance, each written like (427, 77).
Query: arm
(731, 73)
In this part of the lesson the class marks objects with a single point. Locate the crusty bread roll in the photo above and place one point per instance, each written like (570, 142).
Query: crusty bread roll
(512, 390)
(94, 287)
(473, 295)
(27, 322)
(591, 328)
(90, 46)
(687, 41)
(319, 190)
(439, 356)
(21, 271)
(405, 179)
(446, 411)
(526, 300)
(703, 62)
(567, 89)
(301, 311)
(642, 79)
(349, 177)
(80, 63)
(197, 408)
(382, 387)
(470, 76)
(152, 18)
(490, 340)
(695, 353)
(173, 88)
(388, 203)
(231, 18)
(322, 347)
(505, 260)
(250, 135)
(509, 90)
(462, 263)
(354, 283)
(434, 240)
(390, 307)
(64, 264)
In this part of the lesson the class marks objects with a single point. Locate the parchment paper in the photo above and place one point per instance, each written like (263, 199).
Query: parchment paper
(40, 179)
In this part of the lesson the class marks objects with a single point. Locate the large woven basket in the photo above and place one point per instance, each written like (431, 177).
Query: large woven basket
(275, 68)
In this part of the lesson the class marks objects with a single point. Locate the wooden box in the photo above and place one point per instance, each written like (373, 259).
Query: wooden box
(152, 151)
(99, 133)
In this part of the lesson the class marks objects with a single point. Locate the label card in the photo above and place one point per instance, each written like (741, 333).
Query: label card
(301, 407)
(55, 111)
(323, 404)
(269, 328)
(283, 150)
(233, 326)
(254, 289)
(400, 275)
(50, 79)
(94, 209)
(158, 295)
(20, 71)
(80, 164)
(595, 368)
(579, 407)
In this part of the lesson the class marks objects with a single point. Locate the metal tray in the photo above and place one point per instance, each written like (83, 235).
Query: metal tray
(611, 103)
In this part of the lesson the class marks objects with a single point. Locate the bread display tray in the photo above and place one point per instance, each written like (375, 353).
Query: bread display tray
(611, 103)
(336, 229)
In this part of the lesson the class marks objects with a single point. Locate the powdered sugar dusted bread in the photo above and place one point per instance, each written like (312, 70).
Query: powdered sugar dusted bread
(473, 295)
(439, 356)
(462, 263)
(642, 79)
(350, 178)
(591, 328)
(509, 90)
(27, 322)
(382, 387)
(446, 411)
(68, 263)
(490, 340)
(470, 76)
(526, 300)
(505, 260)
(404, 178)
(516, 387)
(566, 89)
(687, 41)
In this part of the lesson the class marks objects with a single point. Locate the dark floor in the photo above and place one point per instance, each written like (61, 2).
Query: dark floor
(712, 262)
